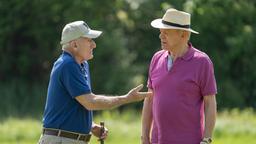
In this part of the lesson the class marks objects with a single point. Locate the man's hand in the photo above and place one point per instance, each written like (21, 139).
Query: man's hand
(135, 95)
(96, 131)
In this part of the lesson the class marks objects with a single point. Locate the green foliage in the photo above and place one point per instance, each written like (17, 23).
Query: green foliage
(227, 33)
(22, 99)
(30, 34)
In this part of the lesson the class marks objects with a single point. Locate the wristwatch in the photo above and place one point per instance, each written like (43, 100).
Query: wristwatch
(207, 140)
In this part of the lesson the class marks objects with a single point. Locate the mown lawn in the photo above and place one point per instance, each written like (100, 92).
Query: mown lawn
(233, 127)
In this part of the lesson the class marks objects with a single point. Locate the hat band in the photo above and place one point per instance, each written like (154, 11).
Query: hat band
(175, 25)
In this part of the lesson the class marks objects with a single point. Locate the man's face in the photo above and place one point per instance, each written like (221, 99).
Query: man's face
(85, 48)
(170, 38)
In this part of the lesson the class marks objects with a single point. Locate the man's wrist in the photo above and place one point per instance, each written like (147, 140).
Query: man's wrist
(145, 140)
(125, 99)
(144, 137)
(207, 140)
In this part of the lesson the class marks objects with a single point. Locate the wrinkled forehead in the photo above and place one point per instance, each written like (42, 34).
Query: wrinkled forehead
(169, 30)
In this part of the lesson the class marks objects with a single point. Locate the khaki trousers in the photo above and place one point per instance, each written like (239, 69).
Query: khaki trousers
(49, 139)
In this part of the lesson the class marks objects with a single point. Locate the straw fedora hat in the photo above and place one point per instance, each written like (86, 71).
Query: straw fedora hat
(174, 19)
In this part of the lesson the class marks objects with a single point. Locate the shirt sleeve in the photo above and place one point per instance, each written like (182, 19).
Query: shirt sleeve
(75, 80)
(207, 79)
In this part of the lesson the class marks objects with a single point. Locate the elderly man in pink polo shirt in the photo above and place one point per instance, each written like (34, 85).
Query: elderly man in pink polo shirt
(181, 77)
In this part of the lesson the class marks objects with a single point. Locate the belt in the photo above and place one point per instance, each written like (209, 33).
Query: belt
(67, 134)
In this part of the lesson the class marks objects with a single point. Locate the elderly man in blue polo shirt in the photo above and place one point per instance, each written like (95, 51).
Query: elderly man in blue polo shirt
(70, 101)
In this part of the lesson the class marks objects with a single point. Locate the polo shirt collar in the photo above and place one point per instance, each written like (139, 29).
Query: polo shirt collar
(189, 54)
(67, 53)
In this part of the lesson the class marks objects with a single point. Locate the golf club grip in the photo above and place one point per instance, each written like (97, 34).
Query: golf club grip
(101, 132)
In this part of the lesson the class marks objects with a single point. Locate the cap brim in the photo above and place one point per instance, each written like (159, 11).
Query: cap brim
(157, 23)
(93, 34)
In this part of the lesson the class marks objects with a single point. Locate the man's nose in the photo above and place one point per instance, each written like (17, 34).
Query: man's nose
(161, 35)
(93, 44)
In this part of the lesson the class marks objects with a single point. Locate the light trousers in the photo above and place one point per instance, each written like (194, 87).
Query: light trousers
(49, 139)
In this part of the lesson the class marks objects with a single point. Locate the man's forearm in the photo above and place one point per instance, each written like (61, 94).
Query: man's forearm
(210, 118)
(108, 102)
(99, 102)
(146, 120)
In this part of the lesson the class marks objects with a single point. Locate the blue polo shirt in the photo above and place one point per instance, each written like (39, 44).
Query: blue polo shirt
(68, 79)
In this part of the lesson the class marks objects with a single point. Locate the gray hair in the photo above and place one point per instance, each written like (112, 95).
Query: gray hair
(65, 46)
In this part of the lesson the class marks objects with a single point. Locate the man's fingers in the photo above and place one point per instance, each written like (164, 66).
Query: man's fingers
(145, 94)
(136, 95)
(104, 136)
(138, 88)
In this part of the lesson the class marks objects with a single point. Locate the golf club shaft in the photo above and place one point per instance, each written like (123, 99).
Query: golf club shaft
(101, 132)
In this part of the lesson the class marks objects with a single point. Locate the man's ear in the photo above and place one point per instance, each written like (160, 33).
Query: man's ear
(185, 34)
(182, 33)
(73, 44)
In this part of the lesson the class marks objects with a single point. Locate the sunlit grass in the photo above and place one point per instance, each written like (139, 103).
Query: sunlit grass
(19, 131)
(123, 128)
(232, 127)
(235, 127)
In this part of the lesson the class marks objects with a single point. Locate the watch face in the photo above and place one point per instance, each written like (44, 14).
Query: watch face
(208, 140)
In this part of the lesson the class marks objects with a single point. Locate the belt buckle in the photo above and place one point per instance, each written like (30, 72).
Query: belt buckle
(59, 132)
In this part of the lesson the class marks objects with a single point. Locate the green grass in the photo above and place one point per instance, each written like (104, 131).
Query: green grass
(232, 127)
(19, 131)
(236, 127)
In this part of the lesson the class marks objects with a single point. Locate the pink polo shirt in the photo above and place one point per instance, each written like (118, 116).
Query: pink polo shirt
(178, 112)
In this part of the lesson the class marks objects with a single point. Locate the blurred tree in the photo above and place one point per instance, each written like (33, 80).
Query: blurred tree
(31, 30)
(227, 34)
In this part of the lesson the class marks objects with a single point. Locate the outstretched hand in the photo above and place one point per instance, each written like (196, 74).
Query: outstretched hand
(135, 94)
